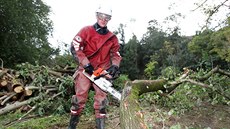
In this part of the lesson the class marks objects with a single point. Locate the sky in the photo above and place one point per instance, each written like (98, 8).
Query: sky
(69, 16)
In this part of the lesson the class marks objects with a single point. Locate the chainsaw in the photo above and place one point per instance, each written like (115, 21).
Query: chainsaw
(101, 78)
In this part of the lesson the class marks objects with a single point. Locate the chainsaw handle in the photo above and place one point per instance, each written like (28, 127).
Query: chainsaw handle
(102, 75)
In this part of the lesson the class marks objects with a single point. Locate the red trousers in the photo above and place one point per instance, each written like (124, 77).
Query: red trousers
(82, 86)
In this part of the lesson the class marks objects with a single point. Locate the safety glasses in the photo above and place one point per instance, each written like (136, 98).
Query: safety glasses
(103, 16)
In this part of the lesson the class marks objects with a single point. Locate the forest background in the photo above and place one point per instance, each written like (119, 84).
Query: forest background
(160, 53)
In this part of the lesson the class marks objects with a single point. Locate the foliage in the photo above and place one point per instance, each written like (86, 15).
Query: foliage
(188, 95)
(120, 81)
(150, 68)
(170, 72)
(130, 58)
(64, 60)
(220, 41)
(211, 48)
(24, 32)
(158, 49)
(151, 44)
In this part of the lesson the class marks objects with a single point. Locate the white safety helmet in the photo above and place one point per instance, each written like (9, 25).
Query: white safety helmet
(104, 9)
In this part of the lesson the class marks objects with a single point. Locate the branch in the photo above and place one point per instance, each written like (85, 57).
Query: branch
(205, 86)
(197, 83)
(8, 97)
(32, 109)
(58, 74)
(200, 5)
(16, 105)
(214, 70)
(215, 10)
(210, 73)
(224, 72)
(3, 97)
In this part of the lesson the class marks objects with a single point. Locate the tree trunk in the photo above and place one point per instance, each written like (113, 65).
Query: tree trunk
(131, 116)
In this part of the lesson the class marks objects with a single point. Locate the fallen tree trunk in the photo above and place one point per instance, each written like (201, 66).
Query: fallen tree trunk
(131, 116)
(130, 112)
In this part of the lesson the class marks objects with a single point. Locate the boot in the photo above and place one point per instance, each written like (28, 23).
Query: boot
(73, 121)
(100, 123)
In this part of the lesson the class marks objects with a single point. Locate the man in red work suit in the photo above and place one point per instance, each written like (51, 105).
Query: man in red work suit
(94, 47)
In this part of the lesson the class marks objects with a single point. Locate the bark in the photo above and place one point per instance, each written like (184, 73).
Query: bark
(16, 105)
(58, 74)
(131, 116)
(9, 96)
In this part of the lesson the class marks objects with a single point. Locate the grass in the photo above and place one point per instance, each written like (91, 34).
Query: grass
(11, 121)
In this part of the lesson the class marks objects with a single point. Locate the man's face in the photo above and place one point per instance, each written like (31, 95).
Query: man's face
(103, 19)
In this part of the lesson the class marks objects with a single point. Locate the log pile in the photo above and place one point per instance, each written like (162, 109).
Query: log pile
(11, 88)
(19, 88)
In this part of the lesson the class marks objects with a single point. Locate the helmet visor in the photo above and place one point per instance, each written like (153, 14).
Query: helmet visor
(103, 16)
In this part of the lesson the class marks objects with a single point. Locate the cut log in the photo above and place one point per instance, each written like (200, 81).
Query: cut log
(3, 83)
(28, 92)
(18, 89)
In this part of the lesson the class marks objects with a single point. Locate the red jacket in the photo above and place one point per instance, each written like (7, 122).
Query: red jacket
(98, 50)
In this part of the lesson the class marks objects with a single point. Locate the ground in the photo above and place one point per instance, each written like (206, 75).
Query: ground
(206, 116)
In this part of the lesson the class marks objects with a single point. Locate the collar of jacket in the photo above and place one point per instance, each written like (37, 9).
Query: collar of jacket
(100, 30)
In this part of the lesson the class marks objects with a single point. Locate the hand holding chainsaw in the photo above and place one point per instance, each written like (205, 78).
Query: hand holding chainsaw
(89, 69)
(101, 78)
(114, 71)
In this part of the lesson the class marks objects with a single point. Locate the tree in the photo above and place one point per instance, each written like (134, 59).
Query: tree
(24, 32)
(151, 44)
(130, 58)
(212, 47)
(220, 41)
(164, 49)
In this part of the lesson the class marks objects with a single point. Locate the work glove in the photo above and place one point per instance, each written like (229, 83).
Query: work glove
(89, 69)
(114, 71)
